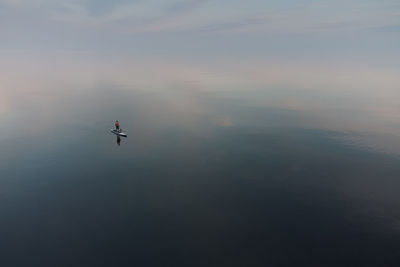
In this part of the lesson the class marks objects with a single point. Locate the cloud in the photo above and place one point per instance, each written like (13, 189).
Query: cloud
(211, 16)
(183, 6)
(390, 28)
(87, 24)
(205, 16)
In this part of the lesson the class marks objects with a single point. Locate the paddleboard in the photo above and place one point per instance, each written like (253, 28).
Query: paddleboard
(118, 133)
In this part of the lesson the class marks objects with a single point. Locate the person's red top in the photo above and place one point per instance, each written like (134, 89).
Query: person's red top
(117, 124)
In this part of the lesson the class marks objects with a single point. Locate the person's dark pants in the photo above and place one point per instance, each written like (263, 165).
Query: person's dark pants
(117, 127)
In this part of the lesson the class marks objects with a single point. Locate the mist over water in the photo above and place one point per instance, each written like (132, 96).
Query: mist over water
(254, 164)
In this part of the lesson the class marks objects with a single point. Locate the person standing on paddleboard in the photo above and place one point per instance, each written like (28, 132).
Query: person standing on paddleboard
(117, 125)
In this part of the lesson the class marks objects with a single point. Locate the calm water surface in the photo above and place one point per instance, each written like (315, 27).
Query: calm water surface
(203, 179)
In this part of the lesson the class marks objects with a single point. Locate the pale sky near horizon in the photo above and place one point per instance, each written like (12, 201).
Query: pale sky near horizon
(365, 30)
(309, 43)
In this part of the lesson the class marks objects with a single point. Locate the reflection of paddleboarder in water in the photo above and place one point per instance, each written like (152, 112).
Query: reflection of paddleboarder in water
(118, 140)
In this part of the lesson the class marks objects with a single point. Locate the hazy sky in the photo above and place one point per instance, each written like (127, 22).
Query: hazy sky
(365, 30)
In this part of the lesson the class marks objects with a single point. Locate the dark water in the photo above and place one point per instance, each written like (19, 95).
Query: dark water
(203, 179)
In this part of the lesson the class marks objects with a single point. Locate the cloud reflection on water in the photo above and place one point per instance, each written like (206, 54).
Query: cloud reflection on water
(337, 97)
